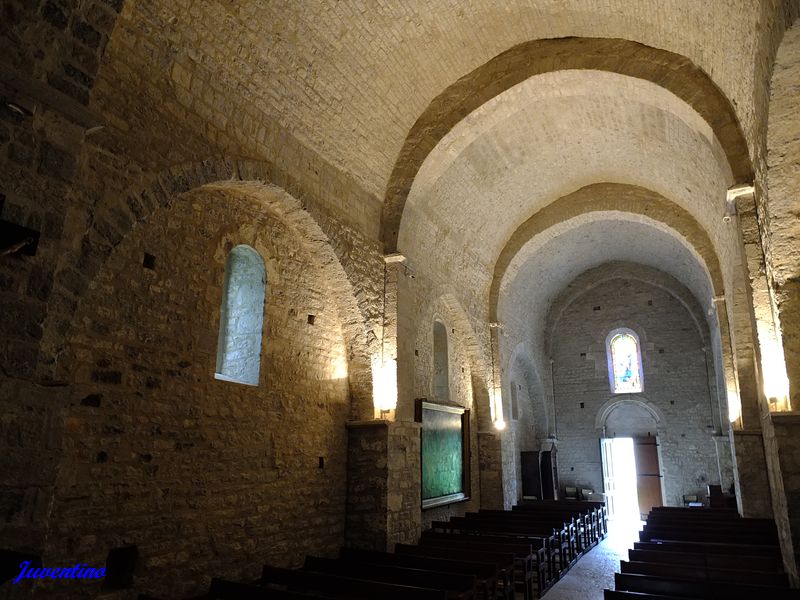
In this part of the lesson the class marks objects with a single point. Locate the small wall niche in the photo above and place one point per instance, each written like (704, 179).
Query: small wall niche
(120, 564)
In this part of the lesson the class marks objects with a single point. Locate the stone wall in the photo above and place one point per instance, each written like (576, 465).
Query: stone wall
(206, 477)
(677, 388)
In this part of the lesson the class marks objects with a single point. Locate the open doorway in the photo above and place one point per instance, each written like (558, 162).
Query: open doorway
(631, 477)
(619, 478)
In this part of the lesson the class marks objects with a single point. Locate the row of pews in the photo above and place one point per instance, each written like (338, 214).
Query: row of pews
(703, 553)
(487, 555)
(546, 537)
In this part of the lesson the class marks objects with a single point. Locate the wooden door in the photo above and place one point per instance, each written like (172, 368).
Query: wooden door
(648, 474)
(531, 478)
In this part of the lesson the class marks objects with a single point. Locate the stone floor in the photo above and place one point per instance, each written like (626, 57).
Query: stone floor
(595, 570)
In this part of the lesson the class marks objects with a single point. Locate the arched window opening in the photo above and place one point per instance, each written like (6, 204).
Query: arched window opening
(624, 362)
(241, 317)
(441, 369)
(514, 402)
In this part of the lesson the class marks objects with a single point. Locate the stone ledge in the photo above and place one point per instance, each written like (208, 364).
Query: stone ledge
(786, 418)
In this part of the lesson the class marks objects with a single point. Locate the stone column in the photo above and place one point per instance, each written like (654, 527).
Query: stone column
(722, 443)
(383, 484)
(750, 473)
(786, 434)
(490, 452)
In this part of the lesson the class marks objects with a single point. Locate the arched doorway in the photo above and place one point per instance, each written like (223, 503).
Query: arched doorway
(630, 458)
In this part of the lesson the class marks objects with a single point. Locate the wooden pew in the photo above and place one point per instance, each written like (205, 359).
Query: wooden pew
(703, 573)
(768, 550)
(528, 569)
(590, 519)
(534, 557)
(702, 513)
(587, 533)
(222, 589)
(620, 595)
(485, 573)
(600, 509)
(457, 586)
(690, 534)
(556, 543)
(708, 560)
(349, 587)
(700, 589)
(505, 562)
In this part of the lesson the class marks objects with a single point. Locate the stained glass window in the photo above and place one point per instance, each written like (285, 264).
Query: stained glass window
(625, 362)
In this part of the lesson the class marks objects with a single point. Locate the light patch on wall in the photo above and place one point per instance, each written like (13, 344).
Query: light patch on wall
(773, 368)
(734, 406)
(339, 364)
(496, 408)
(384, 386)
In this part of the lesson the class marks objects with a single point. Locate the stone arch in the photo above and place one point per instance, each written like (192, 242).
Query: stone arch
(638, 400)
(616, 197)
(671, 71)
(251, 179)
(445, 306)
(541, 418)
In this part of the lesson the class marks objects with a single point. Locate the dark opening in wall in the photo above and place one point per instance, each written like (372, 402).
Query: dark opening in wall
(596, 308)
(311, 319)
(92, 400)
(321, 462)
(149, 261)
(120, 564)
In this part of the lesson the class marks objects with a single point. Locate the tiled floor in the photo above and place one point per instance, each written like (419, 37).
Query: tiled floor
(595, 570)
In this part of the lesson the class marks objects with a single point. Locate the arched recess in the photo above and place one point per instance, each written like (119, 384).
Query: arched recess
(671, 71)
(144, 349)
(520, 364)
(783, 207)
(443, 306)
(470, 381)
(615, 402)
(248, 178)
(604, 200)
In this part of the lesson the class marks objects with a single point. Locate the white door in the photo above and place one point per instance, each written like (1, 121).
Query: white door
(607, 458)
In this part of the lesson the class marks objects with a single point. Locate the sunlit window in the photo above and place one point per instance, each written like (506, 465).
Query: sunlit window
(624, 362)
(241, 317)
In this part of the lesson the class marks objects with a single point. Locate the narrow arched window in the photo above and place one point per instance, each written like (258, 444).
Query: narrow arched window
(241, 317)
(514, 402)
(624, 362)
(441, 369)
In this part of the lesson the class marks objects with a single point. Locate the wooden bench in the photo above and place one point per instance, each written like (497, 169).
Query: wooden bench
(556, 543)
(703, 573)
(457, 586)
(620, 595)
(222, 589)
(485, 573)
(598, 508)
(708, 560)
(685, 588)
(505, 562)
(768, 550)
(587, 532)
(528, 572)
(349, 587)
